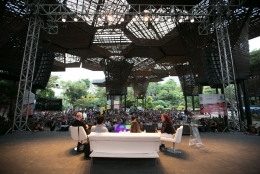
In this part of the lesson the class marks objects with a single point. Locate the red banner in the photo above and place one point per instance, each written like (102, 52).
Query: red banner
(30, 107)
(219, 108)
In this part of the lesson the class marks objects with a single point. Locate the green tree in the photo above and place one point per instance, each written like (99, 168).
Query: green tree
(254, 59)
(153, 88)
(209, 90)
(75, 91)
(48, 92)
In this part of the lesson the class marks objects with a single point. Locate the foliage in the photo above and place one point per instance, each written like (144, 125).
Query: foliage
(75, 92)
(254, 59)
(48, 91)
(209, 90)
(53, 82)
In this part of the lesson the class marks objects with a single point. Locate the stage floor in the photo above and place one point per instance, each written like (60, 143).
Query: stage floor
(52, 152)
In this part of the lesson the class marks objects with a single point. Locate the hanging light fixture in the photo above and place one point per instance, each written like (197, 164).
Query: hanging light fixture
(63, 19)
(156, 18)
(99, 19)
(180, 19)
(110, 18)
(86, 18)
(146, 18)
(169, 19)
(134, 19)
(75, 19)
(192, 19)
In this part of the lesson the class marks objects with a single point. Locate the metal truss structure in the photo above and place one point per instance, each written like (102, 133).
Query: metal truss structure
(134, 36)
(27, 73)
(226, 59)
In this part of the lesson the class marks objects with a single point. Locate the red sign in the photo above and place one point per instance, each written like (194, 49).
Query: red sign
(219, 108)
(30, 111)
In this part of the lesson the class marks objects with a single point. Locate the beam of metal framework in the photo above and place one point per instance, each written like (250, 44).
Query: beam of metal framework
(226, 59)
(27, 72)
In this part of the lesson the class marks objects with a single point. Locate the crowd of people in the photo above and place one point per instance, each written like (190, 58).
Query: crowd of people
(51, 120)
(54, 120)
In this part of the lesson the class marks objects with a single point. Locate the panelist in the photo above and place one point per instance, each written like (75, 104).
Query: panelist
(135, 127)
(78, 122)
(99, 128)
(167, 129)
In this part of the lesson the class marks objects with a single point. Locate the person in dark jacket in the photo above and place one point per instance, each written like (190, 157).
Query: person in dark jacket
(167, 129)
(78, 122)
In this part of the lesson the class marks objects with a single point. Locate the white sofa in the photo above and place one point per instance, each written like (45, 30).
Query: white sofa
(124, 145)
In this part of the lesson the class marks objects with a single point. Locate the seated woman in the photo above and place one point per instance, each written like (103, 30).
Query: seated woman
(135, 127)
(167, 129)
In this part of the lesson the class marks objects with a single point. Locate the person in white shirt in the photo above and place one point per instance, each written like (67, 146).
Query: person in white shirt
(99, 128)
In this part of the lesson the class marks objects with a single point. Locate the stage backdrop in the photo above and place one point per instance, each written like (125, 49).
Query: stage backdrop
(212, 104)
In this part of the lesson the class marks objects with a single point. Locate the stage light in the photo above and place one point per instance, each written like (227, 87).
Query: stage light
(169, 19)
(63, 19)
(192, 19)
(86, 18)
(99, 19)
(75, 19)
(180, 19)
(146, 18)
(122, 19)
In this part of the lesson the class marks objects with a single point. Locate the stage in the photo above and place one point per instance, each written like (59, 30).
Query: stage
(52, 152)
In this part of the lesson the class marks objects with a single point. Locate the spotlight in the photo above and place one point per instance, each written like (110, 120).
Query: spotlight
(180, 19)
(75, 19)
(86, 18)
(146, 18)
(192, 19)
(169, 19)
(63, 19)
(99, 19)
(122, 19)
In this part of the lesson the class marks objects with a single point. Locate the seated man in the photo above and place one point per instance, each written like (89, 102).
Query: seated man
(99, 128)
(78, 122)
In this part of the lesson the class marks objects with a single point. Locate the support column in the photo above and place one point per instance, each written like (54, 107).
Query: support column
(246, 102)
(27, 72)
(240, 104)
(193, 104)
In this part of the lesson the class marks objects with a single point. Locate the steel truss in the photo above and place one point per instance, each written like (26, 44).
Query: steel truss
(27, 72)
(226, 60)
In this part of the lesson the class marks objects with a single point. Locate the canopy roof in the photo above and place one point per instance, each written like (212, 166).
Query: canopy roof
(155, 46)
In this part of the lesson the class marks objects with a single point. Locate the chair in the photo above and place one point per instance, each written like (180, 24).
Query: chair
(78, 135)
(176, 139)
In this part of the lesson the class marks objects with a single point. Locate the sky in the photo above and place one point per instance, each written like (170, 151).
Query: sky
(75, 74)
